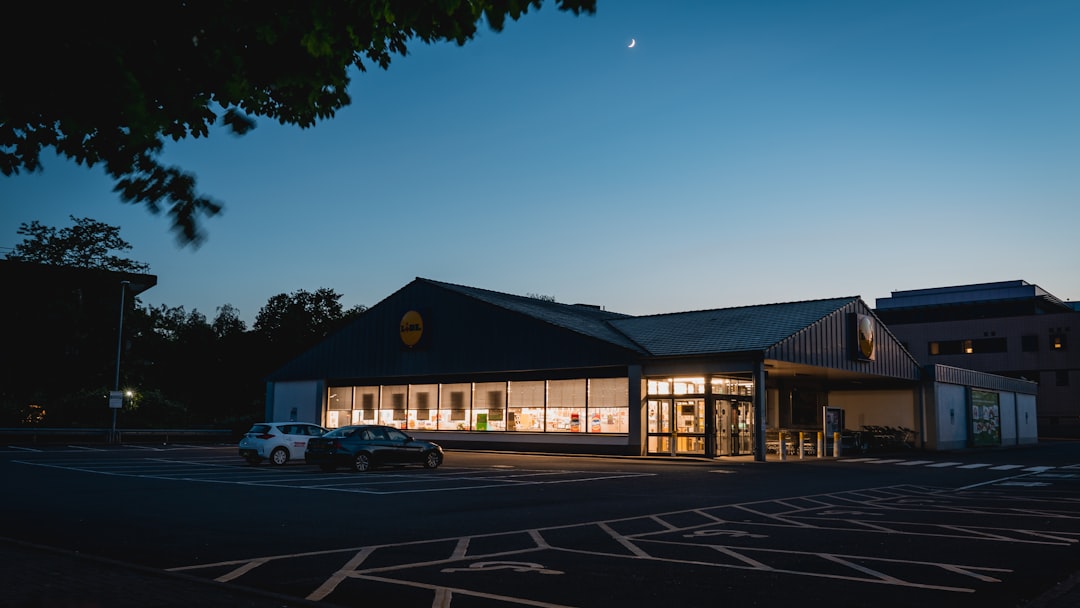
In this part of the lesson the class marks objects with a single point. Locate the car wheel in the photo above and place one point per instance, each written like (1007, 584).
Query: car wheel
(327, 467)
(279, 456)
(362, 462)
(432, 460)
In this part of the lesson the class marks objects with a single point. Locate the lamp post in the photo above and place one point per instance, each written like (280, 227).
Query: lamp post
(116, 399)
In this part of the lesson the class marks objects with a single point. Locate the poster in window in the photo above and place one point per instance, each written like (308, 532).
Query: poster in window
(985, 418)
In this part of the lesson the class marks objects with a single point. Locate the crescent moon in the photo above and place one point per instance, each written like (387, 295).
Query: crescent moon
(632, 43)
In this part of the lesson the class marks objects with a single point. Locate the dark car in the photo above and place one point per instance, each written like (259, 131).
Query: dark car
(362, 447)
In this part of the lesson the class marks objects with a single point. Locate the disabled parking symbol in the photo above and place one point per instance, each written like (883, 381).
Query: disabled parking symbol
(731, 533)
(504, 565)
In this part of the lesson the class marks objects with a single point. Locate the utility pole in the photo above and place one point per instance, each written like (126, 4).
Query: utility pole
(116, 398)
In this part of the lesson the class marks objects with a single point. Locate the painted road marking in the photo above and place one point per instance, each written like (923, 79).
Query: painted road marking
(679, 537)
(380, 482)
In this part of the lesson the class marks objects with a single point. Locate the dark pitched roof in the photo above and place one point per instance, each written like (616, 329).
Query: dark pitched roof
(583, 319)
(722, 330)
(725, 330)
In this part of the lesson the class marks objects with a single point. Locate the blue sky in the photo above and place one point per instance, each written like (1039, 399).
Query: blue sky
(743, 152)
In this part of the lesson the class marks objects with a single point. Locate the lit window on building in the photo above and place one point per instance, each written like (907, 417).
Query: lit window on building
(1057, 342)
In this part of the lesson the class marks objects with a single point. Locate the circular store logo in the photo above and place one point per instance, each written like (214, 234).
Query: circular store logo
(411, 328)
(866, 337)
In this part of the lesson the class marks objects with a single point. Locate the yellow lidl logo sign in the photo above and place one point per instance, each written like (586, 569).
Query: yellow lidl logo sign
(411, 328)
(865, 331)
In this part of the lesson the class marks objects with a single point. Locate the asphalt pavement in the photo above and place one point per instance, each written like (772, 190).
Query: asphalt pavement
(35, 576)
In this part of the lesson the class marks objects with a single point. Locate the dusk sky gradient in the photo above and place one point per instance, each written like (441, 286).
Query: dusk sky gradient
(743, 152)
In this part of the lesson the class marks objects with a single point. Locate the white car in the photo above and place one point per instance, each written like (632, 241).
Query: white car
(277, 441)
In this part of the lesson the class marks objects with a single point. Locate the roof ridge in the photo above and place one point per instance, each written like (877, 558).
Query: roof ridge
(748, 306)
(584, 320)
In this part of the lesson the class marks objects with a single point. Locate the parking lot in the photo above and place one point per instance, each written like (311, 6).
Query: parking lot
(499, 530)
(228, 469)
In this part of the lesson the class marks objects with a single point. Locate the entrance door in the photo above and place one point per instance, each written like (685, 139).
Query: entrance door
(734, 427)
(689, 426)
(659, 428)
(743, 427)
(676, 426)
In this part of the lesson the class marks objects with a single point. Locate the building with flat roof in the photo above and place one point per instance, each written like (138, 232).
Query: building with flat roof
(60, 330)
(1009, 328)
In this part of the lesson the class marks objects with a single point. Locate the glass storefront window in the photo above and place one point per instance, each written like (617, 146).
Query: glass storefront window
(454, 407)
(566, 406)
(660, 444)
(340, 398)
(609, 392)
(732, 386)
(366, 404)
(566, 419)
(392, 409)
(609, 401)
(608, 420)
(690, 426)
(525, 407)
(424, 406)
(598, 405)
(529, 419)
(690, 415)
(489, 406)
(689, 386)
(336, 418)
(659, 387)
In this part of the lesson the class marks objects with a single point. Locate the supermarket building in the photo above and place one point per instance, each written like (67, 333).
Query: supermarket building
(474, 368)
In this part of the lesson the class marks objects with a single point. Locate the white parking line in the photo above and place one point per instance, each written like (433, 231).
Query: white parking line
(660, 541)
(978, 465)
(943, 464)
(379, 482)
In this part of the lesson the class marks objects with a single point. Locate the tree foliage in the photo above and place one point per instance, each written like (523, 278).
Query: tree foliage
(184, 369)
(87, 244)
(118, 81)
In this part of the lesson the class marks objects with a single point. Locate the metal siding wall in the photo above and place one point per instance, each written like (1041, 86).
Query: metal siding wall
(825, 344)
(461, 335)
(972, 378)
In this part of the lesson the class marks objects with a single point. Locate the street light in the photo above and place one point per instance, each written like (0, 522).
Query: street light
(116, 398)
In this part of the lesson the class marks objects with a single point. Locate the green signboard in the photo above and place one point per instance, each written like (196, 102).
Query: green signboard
(985, 418)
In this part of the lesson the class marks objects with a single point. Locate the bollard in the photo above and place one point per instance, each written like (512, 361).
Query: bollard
(820, 444)
(801, 449)
(836, 445)
(783, 447)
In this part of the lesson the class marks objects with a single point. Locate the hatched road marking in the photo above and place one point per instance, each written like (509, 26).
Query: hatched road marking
(732, 536)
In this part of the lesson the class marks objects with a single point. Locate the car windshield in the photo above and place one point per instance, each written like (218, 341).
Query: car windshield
(259, 429)
(344, 431)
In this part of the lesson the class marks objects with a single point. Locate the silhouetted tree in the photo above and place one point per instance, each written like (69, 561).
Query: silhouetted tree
(133, 78)
(291, 323)
(227, 322)
(87, 244)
